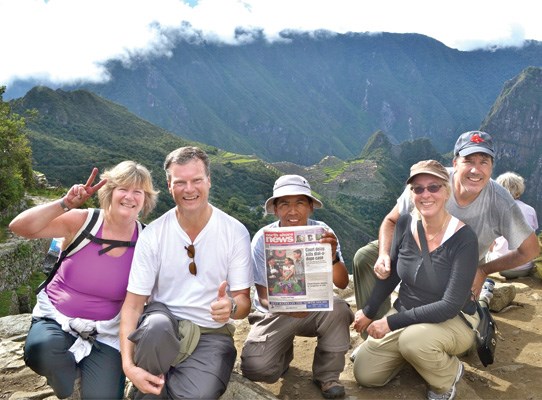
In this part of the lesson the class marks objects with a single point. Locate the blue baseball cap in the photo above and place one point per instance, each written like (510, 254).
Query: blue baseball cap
(474, 142)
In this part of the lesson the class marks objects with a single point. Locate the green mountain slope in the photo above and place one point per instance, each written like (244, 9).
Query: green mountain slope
(75, 131)
(307, 97)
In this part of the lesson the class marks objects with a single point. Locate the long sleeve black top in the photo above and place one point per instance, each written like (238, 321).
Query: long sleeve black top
(422, 299)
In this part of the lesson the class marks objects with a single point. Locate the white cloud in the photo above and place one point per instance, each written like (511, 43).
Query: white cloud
(70, 40)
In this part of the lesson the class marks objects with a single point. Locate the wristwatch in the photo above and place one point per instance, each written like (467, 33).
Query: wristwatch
(337, 258)
(63, 205)
(233, 307)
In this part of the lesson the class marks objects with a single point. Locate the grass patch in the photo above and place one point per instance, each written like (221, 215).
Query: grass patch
(5, 303)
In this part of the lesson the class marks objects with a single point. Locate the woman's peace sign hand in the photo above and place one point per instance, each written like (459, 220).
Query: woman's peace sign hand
(79, 193)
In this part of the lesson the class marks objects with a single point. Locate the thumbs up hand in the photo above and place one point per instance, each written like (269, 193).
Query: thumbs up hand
(221, 308)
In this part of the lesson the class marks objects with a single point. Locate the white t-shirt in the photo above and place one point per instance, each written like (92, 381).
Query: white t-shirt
(492, 214)
(501, 244)
(160, 265)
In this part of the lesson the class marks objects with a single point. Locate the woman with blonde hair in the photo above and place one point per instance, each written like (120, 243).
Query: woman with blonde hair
(434, 258)
(75, 323)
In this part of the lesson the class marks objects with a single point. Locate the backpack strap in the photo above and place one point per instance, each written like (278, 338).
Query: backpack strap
(92, 225)
(112, 243)
(87, 233)
(76, 244)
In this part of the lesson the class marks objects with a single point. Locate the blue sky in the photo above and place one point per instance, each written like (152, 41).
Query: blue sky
(64, 41)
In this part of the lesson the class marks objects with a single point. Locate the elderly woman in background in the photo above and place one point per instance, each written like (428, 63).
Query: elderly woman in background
(75, 322)
(515, 184)
(423, 328)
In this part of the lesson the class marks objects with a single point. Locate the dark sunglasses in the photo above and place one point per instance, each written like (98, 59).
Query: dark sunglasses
(434, 188)
(191, 252)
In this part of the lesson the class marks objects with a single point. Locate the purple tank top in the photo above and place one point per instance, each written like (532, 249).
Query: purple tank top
(91, 286)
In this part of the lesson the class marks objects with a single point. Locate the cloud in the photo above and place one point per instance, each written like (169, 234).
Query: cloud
(67, 40)
(64, 41)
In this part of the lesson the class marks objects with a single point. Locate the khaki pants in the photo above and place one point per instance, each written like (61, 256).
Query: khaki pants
(431, 349)
(365, 278)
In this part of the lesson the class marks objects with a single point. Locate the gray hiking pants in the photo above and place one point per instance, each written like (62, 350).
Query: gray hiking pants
(269, 347)
(203, 375)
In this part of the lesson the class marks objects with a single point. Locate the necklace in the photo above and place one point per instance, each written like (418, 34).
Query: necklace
(431, 238)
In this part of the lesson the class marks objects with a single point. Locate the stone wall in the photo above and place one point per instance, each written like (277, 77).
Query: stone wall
(19, 259)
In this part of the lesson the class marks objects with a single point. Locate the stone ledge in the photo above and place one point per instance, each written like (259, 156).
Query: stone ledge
(13, 331)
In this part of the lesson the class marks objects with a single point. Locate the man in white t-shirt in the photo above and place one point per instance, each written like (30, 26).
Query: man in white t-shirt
(191, 273)
(477, 200)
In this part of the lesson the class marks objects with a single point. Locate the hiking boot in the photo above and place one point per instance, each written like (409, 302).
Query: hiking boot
(330, 389)
(450, 394)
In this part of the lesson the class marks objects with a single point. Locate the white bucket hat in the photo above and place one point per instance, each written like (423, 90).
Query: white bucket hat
(290, 185)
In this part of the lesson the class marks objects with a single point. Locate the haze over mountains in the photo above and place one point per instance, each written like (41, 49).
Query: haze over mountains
(378, 103)
(311, 96)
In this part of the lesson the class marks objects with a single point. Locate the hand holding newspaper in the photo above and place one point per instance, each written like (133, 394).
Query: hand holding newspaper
(299, 269)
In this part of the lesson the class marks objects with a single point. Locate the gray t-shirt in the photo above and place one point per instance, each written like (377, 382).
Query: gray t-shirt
(494, 213)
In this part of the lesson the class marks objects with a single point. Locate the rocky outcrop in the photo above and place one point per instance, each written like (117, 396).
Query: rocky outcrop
(19, 259)
(503, 295)
(19, 382)
(13, 330)
(514, 122)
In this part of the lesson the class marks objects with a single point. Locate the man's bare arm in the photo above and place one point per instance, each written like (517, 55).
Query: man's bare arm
(527, 251)
(262, 295)
(385, 238)
(130, 312)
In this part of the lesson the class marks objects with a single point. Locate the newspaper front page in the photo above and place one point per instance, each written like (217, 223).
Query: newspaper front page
(299, 269)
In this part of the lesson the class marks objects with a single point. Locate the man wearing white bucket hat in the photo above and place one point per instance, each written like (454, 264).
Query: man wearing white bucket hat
(268, 349)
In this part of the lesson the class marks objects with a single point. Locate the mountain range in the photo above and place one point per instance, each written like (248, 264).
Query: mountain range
(310, 96)
(75, 130)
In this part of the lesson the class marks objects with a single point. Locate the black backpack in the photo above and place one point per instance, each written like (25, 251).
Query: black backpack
(84, 236)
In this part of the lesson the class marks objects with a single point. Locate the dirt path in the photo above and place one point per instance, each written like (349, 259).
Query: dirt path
(516, 373)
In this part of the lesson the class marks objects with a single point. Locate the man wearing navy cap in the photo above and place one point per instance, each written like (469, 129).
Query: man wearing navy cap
(477, 200)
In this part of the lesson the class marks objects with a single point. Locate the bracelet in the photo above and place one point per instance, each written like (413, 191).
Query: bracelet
(63, 205)
(337, 258)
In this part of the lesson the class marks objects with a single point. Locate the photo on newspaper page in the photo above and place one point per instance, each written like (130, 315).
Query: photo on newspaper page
(299, 269)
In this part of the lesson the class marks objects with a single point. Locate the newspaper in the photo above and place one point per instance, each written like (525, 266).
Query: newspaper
(299, 269)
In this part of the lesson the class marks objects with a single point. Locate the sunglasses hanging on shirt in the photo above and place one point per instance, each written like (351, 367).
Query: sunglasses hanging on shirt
(191, 252)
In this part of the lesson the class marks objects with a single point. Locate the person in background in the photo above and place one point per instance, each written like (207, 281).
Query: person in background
(477, 200)
(298, 262)
(273, 271)
(191, 273)
(269, 348)
(515, 184)
(288, 283)
(424, 328)
(75, 323)
(299, 268)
